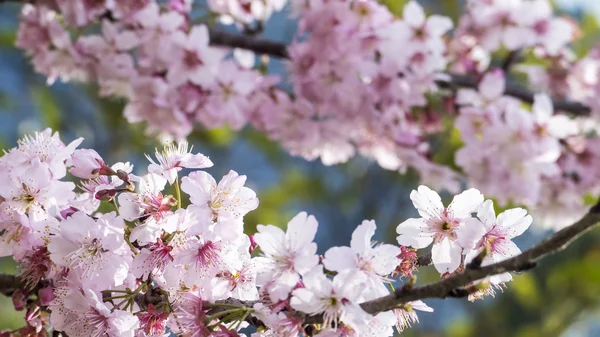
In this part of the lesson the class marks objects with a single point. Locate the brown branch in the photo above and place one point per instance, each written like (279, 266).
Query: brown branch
(257, 45)
(453, 286)
(10, 283)
(524, 94)
(526, 260)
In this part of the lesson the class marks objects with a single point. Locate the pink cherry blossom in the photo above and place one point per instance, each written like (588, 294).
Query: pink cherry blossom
(497, 234)
(196, 61)
(87, 164)
(229, 199)
(337, 299)
(93, 249)
(440, 225)
(286, 256)
(361, 257)
(174, 158)
(406, 315)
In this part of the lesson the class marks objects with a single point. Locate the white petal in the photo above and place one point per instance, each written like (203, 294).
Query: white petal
(446, 256)
(301, 231)
(361, 237)
(487, 215)
(468, 97)
(492, 85)
(385, 259)
(513, 222)
(270, 239)
(465, 203)
(340, 258)
(437, 25)
(542, 107)
(413, 14)
(503, 249)
(414, 233)
(470, 233)
(199, 186)
(427, 202)
(561, 126)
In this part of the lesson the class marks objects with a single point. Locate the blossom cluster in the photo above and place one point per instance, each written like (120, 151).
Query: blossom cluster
(148, 54)
(123, 255)
(364, 82)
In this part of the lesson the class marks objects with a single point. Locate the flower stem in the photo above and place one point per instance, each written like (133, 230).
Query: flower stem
(221, 314)
(114, 201)
(178, 191)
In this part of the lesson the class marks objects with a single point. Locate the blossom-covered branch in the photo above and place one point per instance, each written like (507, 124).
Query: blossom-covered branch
(361, 81)
(452, 286)
(155, 262)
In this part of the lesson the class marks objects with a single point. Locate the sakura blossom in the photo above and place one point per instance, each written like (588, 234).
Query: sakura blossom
(174, 158)
(498, 234)
(337, 299)
(374, 262)
(445, 227)
(287, 255)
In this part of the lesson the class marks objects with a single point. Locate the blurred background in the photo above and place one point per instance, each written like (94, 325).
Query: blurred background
(559, 298)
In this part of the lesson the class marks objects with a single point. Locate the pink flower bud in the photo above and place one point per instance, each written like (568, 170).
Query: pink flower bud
(67, 212)
(253, 244)
(19, 299)
(87, 164)
(46, 295)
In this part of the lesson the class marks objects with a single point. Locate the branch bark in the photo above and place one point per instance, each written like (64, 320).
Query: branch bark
(10, 283)
(524, 94)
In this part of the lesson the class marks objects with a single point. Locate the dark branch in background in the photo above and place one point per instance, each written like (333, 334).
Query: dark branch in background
(513, 57)
(248, 42)
(10, 283)
(524, 94)
(458, 285)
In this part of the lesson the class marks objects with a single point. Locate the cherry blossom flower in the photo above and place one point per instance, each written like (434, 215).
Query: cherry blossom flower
(445, 227)
(82, 313)
(363, 258)
(337, 299)
(229, 199)
(92, 248)
(286, 256)
(196, 61)
(47, 148)
(88, 164)
(406, 315)
(496, 235)
(174, 158)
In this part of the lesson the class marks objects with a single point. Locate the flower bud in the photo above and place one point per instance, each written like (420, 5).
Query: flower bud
(19, 299)
(46, 295)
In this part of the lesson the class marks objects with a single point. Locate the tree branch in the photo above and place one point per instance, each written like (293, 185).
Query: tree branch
(526, 260)
(452, 286)
(10, 283)
(248, 42)
(524, 94)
